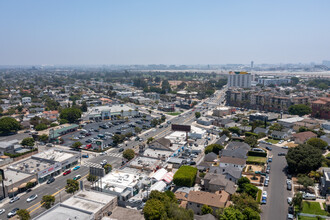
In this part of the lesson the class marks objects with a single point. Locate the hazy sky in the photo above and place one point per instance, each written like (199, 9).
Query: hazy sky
(167, 32)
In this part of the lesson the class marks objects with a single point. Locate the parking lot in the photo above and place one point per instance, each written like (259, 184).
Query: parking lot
(105, 130)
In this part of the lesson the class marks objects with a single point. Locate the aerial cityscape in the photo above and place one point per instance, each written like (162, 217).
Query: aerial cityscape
(165, 110)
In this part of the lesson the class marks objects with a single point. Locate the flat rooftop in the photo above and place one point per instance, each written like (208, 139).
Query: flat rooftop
(15, 176)
(61, 212)
(55, 154)
(145, 162)
(89, 201)
(120, 213)
(30, 165)
(118, 181)
(157, 153)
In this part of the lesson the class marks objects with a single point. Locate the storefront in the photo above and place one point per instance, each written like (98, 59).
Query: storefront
(45, 174)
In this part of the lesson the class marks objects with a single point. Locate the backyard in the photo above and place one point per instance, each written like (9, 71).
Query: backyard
(312, 208)
(256, 159)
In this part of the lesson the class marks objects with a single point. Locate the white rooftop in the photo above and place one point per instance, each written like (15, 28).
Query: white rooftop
(90, 201)
(60, 212)
(118, 181)
(14, 176)
(55, 154)
(291, 120)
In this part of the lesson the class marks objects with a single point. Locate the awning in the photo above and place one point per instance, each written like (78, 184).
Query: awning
(23, 185)
(168, 177)
(13, 190)
(33, 180)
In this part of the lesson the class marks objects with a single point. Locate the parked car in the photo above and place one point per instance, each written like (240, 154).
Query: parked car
(2, 211)
(289, 186)
(77, 177)
(309, 196)
(269, 148)
(12, 213)
(76, 167)
(31, 198)
(264, 200)
(28, 190)
(285, 147)
(121, 150)
(266, 183)
(50, 180)
(289, 200)
(66, 172)
(14, 199)
(281, 154)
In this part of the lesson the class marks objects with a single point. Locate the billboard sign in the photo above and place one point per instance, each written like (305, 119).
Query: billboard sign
(97, 170)
(185, 128)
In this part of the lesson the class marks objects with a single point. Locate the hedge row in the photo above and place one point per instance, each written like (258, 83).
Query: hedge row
(19, 154)
(257, 153)
(255, 162)
(185, 176)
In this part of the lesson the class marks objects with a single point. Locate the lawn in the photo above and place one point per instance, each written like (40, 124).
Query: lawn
(272, 141)
(256, 159)
(313, 208)
(308, 218)
(173, 113)
(259, 196)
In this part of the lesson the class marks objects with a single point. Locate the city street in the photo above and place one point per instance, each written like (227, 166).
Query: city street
(277, 206)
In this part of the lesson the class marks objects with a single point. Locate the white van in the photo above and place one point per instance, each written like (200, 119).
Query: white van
(309, 196)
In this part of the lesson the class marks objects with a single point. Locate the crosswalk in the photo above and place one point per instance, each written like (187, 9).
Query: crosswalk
(90, 164)
(114, 154)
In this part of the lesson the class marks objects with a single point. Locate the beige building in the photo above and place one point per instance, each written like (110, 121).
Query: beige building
(196, 200)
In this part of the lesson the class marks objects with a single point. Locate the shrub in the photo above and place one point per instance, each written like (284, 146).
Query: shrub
(185, 176)
(258, 154)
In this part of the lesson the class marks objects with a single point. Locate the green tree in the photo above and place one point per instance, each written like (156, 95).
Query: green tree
(315, 175)
(76, 145)
(43, 138)
(23, 214)
(70, 114)
(63, 121)
(91, 178)
(206, 210)
(231, 213)
(71, 186)
(129, 154)
(185, 176)
(300, 109)
(197, 114)
(303, 159)
(150, 140)
(242, 181)
(276, 127)
(154, 122)
(154, 210)
(8, 125)
(250, 189)
(318, 143)
(251, 140)
(243, 201)
(107, 168)
(294, 81)
(297, 200)
(234, 130)
(116, 138)
(29, 185)
(48, 201)
(225, 132)
(250, 214)
(29, 141)
(41, 127)
(137, 130)
(305, 181)
(163, 118)
(83, 107)
(215, 148)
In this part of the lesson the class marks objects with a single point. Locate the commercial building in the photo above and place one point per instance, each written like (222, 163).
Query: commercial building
(8, 146)
(273, 81)
(109, 112)
(239, 79)
(223, 111)
(119, 183)
(47, 163)
(289, 122)
(56, 133)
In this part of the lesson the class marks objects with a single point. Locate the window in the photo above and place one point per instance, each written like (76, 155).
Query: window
(198, 205)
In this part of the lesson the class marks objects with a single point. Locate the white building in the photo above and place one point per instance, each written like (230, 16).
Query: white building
(107, 112)
(274, 81)
(239, 79)
(26, 100)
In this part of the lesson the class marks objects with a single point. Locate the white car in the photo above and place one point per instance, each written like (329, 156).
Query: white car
(285, 147)
(264, 194)
(2, 211)
(289, 200)
(14, 199)
(31, 198)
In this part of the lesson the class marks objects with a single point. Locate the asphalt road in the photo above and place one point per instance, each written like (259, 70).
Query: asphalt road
(277, 206)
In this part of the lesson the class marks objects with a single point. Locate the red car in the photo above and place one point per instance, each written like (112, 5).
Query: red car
(66, 172)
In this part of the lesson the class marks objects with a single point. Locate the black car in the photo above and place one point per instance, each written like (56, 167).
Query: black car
(50, 180)
(281, 154)
(121, 149)
(291, 210)
(289, 186)
(269, 148)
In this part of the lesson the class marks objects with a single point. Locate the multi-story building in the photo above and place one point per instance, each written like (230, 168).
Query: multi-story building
(273, 81)
(267, 100)
(239, 79)
(321, 108)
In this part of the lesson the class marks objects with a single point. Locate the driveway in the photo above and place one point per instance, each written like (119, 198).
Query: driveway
(277, 206)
